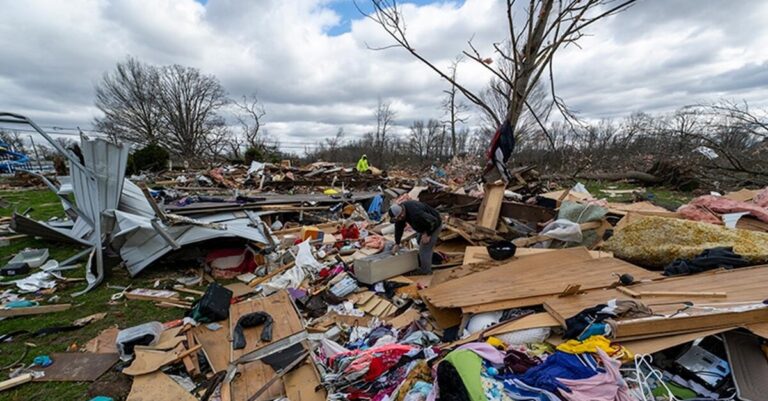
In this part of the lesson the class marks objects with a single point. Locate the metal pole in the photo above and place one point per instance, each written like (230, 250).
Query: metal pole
(37, 156)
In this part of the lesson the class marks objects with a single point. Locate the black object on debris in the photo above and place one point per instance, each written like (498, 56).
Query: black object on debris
(213, 306)
(501, 250)
(252, 320)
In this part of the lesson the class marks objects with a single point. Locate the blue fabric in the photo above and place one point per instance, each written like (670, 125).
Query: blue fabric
(517, 390)
(559, 365)
(595, 329)
(374, 210)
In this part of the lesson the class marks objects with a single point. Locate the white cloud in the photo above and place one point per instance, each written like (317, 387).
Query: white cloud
(656, 56)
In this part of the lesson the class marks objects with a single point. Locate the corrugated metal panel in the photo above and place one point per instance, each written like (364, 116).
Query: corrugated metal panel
(24, 225)
(141, 245)
(133, 200)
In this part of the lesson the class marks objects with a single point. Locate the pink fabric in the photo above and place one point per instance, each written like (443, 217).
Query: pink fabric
(374, 241)
(697, 209)
(485, 351)
(608, 386)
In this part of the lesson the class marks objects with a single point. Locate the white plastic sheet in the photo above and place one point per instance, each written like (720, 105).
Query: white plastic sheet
(563, 230)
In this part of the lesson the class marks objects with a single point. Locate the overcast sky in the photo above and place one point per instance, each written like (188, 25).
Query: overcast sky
(307, 59)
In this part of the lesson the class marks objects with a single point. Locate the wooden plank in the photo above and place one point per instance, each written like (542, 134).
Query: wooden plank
(146, 294)
(148, 361)
(216, 345)
(192, 360)
(760, 329)
(300, 384)
(16, 381)
(656, 344)
(630, 328)
(157, 386)
(507, 304)
(488, 215)
(742, 286)
(444, 317)
(77, 366)
(286, 321)
(250, 378)
(404, 319)
(34, 310)
(523, 278)
(271, 274)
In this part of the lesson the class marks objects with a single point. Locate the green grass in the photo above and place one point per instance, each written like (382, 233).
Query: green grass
(123, 313)
(661, 196)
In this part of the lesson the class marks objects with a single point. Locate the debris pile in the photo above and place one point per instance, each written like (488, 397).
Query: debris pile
(531, 294)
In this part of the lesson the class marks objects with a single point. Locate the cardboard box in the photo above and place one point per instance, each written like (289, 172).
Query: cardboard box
(382, 266)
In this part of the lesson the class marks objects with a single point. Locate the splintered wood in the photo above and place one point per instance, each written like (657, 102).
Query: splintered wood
(373, 304)
(532, 277)
(157, 386)
(251, 377)
(488, 215)
(682, 312)
(216, 345)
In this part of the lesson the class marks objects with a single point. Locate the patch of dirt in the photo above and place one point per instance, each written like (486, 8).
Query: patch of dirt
(112, 384)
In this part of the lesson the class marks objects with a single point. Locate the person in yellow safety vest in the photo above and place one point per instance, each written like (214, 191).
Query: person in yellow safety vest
(362, 164)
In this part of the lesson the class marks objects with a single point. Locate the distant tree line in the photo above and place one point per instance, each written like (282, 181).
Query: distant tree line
(179, 109)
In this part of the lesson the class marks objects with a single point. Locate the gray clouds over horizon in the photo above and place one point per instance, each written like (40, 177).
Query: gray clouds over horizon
(657, 56)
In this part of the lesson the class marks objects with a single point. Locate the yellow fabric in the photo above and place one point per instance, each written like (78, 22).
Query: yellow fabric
(330, 191)
(362, 164)
(591, 345)
(496, 343)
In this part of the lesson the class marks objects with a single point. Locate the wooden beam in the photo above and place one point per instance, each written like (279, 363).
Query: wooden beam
(16, 381)
(274, 273)
(34, 310)
(488, 215)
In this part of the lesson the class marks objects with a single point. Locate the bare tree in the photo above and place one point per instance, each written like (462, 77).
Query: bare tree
(250, 116)
(190, 102)
(13, 139)
(533, 39)
(455, 109)
(385, 117)
(128, 97)
(424, 140)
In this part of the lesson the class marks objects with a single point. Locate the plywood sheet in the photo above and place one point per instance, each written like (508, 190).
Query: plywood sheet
(544, 274)
(104, 343)
(147, 361)
(656, 344)
(250, 378)
(760, 329)
(216, 345)
(300, 384)
(745, 285)
(507, 304)
(404, 319)
(488, 215)
(286, 321)
(157, 386)
(77, 366)
(442, 276)
(645, 206)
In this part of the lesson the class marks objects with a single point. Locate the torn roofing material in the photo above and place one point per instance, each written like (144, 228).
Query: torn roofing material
(109, 208)
(142, 242)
